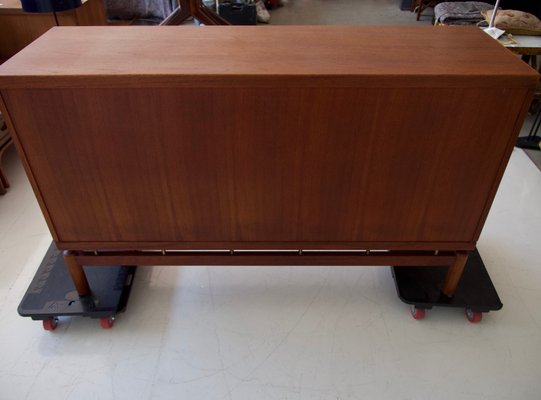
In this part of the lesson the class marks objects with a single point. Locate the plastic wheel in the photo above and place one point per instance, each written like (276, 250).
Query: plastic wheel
(107, 323)
(417, 313)
(474, 316)
(50, 324)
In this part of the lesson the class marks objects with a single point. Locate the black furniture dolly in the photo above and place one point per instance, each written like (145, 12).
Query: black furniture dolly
(51, 293)
(418, 286)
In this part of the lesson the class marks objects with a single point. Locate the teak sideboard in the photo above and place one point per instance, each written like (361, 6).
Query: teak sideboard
(338, 145)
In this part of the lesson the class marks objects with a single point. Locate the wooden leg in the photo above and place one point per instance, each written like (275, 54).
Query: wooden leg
(77, 274)
(205, 15)
(181, 14)
(195, 9)
(454, 273)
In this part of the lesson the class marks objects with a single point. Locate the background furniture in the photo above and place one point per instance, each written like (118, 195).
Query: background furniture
(419, 6)
(227, 145)
(19, 28)
(533, 7)
(164, 12)
(528, 47)
(5, 141)
(532, 141)
(523, 45)
(139, 11)
(194, 9)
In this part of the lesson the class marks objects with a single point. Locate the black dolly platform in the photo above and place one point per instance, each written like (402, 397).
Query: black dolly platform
(420, 287)
(51, 293)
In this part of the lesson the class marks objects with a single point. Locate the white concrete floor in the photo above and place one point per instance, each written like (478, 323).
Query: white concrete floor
(366, 12)
(279, 332)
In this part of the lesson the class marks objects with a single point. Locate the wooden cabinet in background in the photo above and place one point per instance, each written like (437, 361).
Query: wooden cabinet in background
(19, 28)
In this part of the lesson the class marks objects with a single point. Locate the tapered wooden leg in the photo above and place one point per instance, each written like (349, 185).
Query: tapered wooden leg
(178, 16)
(77, 274)
(454, 273)
(205, 15)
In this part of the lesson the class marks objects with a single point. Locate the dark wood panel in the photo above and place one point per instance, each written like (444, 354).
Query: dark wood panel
(29, 172)
(280, 165)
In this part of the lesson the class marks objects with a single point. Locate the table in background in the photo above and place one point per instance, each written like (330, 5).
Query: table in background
(529, 47)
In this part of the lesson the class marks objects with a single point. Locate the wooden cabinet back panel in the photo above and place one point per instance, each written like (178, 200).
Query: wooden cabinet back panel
(283, 164)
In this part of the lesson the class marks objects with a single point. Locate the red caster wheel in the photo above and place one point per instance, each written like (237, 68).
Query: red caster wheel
(50, 324)
(107, 323)
(417, 313)
(474, 316)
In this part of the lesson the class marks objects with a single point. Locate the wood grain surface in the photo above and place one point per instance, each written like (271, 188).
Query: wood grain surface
(225, 56)
(172, 165)
(360, 145)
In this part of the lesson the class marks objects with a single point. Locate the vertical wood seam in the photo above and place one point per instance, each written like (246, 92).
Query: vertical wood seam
(28, 169)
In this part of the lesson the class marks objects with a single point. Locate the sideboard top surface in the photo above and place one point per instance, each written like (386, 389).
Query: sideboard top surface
(204, 56)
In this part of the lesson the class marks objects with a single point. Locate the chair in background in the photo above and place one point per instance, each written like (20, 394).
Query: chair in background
(418, 6)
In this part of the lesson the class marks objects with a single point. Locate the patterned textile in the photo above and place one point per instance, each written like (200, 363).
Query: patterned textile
(129, 9)
(515, 22)
(460, 13)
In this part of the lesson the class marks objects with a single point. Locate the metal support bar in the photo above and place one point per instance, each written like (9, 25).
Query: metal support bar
(243, 258)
